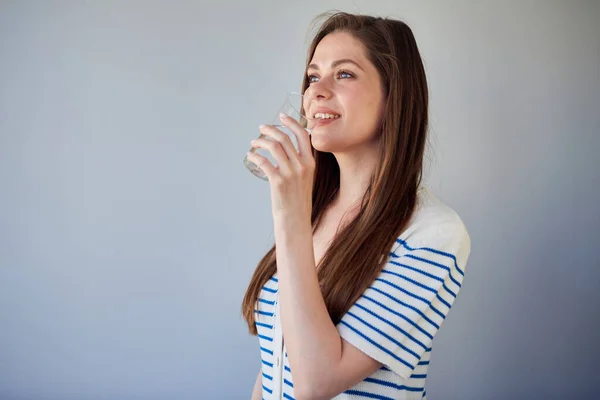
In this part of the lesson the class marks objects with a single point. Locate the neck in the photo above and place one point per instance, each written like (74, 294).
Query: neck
(356, 169)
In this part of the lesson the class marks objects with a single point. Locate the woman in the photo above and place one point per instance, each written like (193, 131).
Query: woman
(367, 262)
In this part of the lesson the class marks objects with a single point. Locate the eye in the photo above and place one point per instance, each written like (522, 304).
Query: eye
(341, 74)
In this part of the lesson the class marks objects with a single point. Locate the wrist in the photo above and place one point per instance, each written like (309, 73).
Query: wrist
(291, 227)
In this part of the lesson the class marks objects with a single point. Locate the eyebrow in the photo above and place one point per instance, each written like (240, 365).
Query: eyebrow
(336, 63)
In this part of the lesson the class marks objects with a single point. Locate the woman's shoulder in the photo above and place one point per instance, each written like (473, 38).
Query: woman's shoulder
(433, 221)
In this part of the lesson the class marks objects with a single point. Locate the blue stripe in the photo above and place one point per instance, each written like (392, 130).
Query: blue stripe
(423, 331)
(441, 253)
(267, 389)
(266, 350)
(460, 271)
(423, 363)
(419, 376)
(448, 290)
(268, 314)
(288, 369)
(432, 263)
(394, 255)
(367, 394)
(269, 377)
(407, 305)
(424, 394)
(393, 325)
(267, 301)
(424, 300)
(288, 382)
(417, 283)
(437, 278)
(455, 282)
(443, 301)
(393, 385)
(264, 325)
(266, 289)
(267, 338)
(374, 343)
(287, 396)
(274, 279)
(437, 265)
(425, 260)
(438, 312)
(268, 364)
(382, 333)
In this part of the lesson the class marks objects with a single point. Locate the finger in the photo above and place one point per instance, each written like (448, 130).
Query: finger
(274, 147)
(262, 163)
(302, 136)
(284, 140)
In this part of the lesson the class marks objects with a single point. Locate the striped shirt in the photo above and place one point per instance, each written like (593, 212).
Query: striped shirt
(397, 316)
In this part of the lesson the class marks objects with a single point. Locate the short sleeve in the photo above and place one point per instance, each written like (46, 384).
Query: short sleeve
(398, 315)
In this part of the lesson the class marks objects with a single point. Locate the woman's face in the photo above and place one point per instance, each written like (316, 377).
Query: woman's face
(342, 81)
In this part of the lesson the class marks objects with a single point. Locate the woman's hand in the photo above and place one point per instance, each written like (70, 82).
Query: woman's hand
(292, 180)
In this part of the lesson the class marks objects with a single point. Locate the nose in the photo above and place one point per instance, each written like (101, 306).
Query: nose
(320, 90)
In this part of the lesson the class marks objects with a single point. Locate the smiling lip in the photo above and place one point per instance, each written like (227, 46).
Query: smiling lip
(324, 110)
(323, 122)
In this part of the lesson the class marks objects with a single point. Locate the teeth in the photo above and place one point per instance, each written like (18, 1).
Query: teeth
(326, 116)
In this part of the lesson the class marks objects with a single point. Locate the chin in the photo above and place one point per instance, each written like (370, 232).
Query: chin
(324, 142)
(335, 142)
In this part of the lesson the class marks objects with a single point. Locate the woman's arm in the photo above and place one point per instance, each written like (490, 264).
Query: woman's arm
(257, 391)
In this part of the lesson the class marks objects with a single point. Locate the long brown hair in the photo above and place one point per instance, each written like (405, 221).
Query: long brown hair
(359, 251)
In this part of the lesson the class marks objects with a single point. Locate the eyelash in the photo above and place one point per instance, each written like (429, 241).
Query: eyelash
(309, 77)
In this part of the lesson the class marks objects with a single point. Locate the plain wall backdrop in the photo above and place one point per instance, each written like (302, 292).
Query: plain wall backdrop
(129, 228)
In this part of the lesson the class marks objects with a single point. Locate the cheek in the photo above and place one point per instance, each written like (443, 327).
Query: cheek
(363, 97)
(376, 107)
(306, 99)
(366, 108)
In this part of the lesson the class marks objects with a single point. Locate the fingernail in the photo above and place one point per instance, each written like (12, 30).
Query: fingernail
(261, 126)
(282, 115)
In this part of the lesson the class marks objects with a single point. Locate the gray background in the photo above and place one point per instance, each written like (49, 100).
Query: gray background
(129, 228)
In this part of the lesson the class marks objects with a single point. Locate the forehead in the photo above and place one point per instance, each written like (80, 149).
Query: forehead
(338, 45)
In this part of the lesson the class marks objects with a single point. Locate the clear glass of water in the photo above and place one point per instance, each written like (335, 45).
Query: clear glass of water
(292, 106)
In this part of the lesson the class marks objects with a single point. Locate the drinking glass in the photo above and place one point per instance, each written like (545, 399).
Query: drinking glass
(292, 106)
